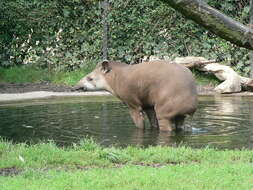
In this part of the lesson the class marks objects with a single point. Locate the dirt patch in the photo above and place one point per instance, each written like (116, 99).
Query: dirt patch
(17, 89)
(44, 86)
(32, 87)
(9, 171)
(12, 171)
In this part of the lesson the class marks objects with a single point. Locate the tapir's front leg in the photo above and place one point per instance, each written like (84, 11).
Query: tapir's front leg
(152, 117)
(138, 117)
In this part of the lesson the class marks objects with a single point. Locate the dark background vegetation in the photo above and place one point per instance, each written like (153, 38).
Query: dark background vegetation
(65, 35)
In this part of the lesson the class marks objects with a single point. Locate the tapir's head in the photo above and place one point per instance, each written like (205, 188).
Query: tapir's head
(96, 80)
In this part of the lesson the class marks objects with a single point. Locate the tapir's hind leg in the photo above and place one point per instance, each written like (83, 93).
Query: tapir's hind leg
(165, 124)
(165, 117)
(179, 122)
(152, 117)
(138, 117)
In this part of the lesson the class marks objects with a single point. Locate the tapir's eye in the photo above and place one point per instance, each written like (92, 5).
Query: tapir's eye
(89, 79)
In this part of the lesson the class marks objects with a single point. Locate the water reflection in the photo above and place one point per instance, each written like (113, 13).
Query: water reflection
(223, 122)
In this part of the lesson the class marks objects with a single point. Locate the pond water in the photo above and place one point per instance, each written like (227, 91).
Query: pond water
(222, 122)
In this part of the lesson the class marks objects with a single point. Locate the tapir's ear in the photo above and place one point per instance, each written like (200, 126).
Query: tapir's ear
(105, 66)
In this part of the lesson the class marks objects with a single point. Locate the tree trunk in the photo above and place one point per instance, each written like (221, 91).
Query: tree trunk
(213, 20)
(251, 28)
(105, 29)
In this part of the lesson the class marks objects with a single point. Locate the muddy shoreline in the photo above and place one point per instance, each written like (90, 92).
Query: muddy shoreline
(12, 92)
(11, 88)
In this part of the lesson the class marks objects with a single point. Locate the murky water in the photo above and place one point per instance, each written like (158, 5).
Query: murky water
(222, 122)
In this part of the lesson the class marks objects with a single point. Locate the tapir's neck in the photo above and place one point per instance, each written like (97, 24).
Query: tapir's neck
(117, 77)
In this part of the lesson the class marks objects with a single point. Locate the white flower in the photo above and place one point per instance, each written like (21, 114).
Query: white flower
(48, 48)
(29, 49)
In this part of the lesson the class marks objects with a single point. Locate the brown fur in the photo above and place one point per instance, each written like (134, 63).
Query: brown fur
(165, 92)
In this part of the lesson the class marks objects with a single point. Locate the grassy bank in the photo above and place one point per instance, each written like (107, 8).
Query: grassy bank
(90, 166)
(28, 74)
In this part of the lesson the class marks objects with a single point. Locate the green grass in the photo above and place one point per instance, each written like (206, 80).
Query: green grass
(90, 166)
(28, 74)
(23, 75)
(189, 177)
(68, 78)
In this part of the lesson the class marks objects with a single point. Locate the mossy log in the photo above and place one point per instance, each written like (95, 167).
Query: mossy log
(213, 20)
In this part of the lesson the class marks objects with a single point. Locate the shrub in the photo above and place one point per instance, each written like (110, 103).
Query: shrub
(67, 34)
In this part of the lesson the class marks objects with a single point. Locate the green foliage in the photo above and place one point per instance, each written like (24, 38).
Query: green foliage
(67, 34)
(59, 35)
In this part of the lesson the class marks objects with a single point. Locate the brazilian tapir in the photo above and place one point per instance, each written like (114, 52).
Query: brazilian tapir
(165, 91)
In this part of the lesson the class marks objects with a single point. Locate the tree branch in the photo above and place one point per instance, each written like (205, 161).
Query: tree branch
(216, 22)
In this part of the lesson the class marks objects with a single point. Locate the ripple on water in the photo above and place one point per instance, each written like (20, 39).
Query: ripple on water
(222, 122)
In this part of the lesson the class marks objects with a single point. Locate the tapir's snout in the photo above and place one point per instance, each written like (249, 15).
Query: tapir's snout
(78, 86)
(94, 81)
(75, 88)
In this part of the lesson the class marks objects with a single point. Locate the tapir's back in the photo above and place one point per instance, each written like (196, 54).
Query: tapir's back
(161, 82)
(161, 74)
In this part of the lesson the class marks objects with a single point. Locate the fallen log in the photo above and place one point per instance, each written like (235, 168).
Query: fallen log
(232, 82)
(197, 63)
